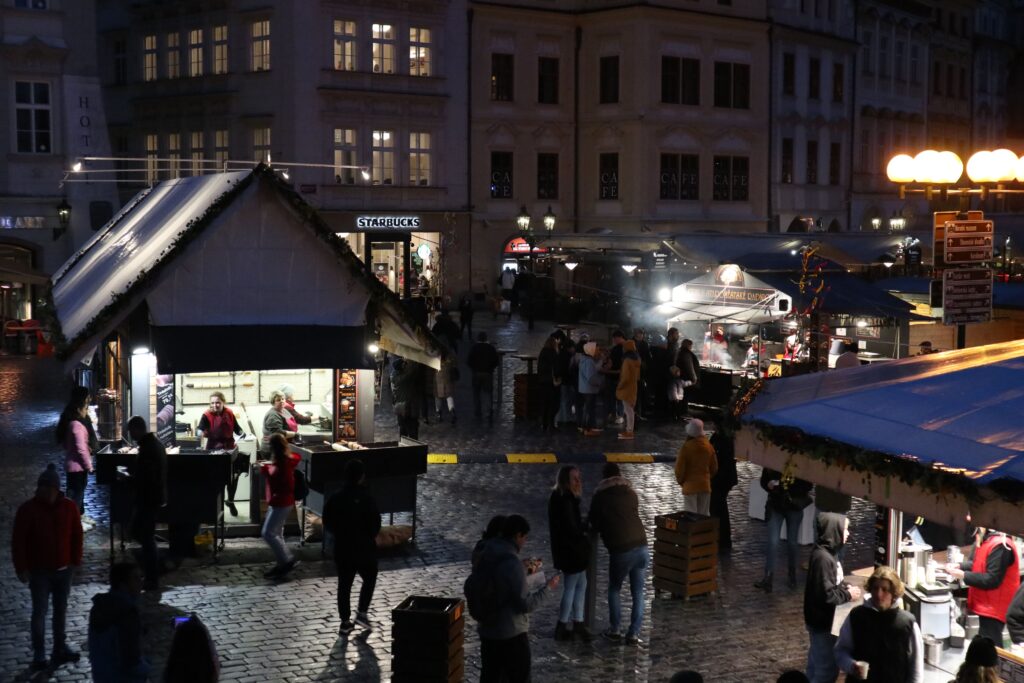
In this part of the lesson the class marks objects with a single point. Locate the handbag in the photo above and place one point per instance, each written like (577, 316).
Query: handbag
(301, 485)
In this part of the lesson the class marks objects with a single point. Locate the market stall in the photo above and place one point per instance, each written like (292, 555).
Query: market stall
(225, 283)
(938, 436)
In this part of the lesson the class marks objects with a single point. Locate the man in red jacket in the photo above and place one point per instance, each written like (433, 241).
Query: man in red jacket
(992, 577)
(46, 544)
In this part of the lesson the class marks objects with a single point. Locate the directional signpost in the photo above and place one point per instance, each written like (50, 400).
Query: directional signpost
(968, 242)
(962, 248)
(966, 296)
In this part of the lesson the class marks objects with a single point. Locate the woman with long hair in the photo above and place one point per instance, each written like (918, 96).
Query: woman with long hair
(74, 432)
(570, 550)
(280, 477)
(981, 665)
(193, 657)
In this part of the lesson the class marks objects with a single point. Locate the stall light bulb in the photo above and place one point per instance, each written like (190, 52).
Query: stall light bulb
(862, 323)
(140, 350)
(664, 294)
(373, 348)
(77, 166)
(365, 174)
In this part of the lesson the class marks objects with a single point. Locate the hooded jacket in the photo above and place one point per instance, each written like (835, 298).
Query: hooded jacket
(615, 514)
(590, 379)
(825, 589)
(629, 373)
(500, 556)
(695, 465)
(115, 639)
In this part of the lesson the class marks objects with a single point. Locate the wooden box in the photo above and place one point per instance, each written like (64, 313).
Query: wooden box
(685, 554)
(427, 639)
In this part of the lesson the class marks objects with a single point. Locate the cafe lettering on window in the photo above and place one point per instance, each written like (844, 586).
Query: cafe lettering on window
(609, 176)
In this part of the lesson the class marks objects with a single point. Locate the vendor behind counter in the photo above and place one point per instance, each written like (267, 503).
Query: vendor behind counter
(992, 576)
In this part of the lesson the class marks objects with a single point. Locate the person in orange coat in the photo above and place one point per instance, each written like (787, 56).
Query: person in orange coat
(629, 380)
(695, 465)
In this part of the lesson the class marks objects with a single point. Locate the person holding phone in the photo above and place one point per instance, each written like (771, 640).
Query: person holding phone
(193, 657)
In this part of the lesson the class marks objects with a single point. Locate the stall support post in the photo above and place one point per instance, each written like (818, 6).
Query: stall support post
(961, 336)
(892, 545)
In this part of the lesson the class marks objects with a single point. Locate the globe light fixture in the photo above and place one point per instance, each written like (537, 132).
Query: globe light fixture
(901, 169)
(978, 167)
(1002, 165)
(949, 169)
(925, 165)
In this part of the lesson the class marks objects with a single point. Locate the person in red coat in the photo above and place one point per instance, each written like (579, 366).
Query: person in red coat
(46, 544)
(992, 575)
(280, 477)
(219, 425)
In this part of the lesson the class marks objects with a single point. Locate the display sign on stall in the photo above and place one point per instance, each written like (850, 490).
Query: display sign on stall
(966, 296)
(968, 242)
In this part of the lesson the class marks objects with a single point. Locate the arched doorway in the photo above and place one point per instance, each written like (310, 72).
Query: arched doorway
(834, 226)
(798, 224)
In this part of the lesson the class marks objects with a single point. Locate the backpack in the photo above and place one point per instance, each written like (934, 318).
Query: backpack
(301, 485)
(484, 593)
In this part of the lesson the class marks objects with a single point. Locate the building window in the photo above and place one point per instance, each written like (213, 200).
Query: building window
(261, 145)
(835, 158)
(866, 54)
(174, 155)
(501, 175)
(196, 151)
(547, 80)
(608, 176)
(32, 117)
(383, 157)
(420, 167)
(865, 150)
(120, 62)
(502, 77)
(732, 85)
(149, 58)
(788, 73)
(31, 4)
(419, 52)
(814, 79)
(915, 64)
(547, 176)
(731, 179)
(345, 159)
(609, 79)
(195, 52)
(680, 177)
(812, 162)
(220, 149)
(260, 32)
(383, 48)
(787, 160)
(950, 73)
(173, 61)
(937, 79)
(963, 83)
(152, 158)
(680, 80)
(900, 70)
(883, 56)
(220, 49)
(838, 82)
(344, 45)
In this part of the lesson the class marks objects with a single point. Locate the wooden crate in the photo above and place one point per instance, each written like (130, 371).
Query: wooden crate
(685, 591)
(431, 669)
(427, 639)
(685, 554)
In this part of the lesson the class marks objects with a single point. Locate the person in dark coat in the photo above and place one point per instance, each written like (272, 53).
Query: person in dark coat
(115, 630)
(1015, 616)
(787, 498)
(353, 518)
(547, 361)
(446, 330)
(723, 441)
(570, 550)
(405, 392)
(823, 592)
(149, 475)
(466, 316)
(483, 359)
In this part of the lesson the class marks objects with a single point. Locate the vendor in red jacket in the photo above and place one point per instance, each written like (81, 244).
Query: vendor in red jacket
(46, 544)
(992, 575)
(219, 425)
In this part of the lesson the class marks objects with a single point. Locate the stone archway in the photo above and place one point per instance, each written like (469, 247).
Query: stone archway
(834, 226)
(798, 224)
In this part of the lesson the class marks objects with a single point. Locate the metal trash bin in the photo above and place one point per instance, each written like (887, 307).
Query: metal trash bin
(427, 640)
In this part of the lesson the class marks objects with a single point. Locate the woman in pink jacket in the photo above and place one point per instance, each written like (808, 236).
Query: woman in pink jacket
(73, 435)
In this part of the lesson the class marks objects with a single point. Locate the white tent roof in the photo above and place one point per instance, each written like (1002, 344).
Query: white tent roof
(705, 298)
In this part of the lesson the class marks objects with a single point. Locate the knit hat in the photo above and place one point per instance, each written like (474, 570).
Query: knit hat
(49, 477)
(982, 652)
(695, 428)
(590, 348)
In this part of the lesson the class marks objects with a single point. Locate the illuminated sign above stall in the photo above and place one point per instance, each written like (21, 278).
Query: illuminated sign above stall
(717, 294)
(518, 245)
(387, 222)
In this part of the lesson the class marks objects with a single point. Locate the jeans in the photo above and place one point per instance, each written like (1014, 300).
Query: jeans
(588, 421)
(567, 404)
(483, 383)
(505, 661)
(143, 529)
(574, 592)
(273, 533)
(439, 404)
(77, 482)
(792, 518)
(42, 584)
(634, 564)
(697, 502)
(348, 567)
(821, 659)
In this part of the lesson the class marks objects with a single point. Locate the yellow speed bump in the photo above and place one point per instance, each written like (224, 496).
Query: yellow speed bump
(442, 459)
(629, 457)
(531, 457)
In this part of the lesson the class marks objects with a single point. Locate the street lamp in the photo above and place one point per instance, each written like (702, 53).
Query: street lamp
(876, 223)
(549, 220)
(930, 171)
(897, 223)
(523, 219)
(64, 217)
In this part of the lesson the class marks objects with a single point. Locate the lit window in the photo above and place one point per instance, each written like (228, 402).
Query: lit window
(173, 56)
(32, 117)
(174, 154)
(149, 58)
(261, 145)
(383, 157)
(220, 49)
(31, 4)
(383, 49)
(420, 171)
(344, 45)
(345, 159)
(261, 45)
(152, 158)
(220, 149)
(195, 144)
(419, 51)
(195, 52)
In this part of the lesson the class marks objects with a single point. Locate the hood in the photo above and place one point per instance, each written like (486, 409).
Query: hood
(629, 350)
(613, 481)
(497, 548)
(830, 531)
(109, 608)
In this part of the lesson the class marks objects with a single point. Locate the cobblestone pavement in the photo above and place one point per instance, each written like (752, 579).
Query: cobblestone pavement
(287, 632)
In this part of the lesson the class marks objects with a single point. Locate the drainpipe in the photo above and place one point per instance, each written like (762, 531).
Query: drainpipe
(853, 119)
(771, 116)
(576, 132)
(469, 143)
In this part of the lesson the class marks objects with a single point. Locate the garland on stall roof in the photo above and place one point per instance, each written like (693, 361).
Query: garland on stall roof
(883, 465)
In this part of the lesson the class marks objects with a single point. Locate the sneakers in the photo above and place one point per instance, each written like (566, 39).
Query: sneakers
(346, 628)
(65, 656)
(633, 639)
(610, 635)
(625, 436)
(563, 632)
(363, 621)
(39, 665)
(581, 632)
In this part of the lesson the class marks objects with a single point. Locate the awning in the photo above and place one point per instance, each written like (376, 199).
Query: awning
(844, 294)
(739, 298)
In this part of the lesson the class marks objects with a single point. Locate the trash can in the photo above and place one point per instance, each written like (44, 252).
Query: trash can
(427, 640)
(27, 341)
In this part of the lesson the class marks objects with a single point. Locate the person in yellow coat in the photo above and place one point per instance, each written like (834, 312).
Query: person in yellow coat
(629, 380)
(695, 465)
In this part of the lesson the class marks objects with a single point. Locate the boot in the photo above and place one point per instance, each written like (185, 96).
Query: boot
(581, 632)
(791, 581)
(765, 584)
(563, 632)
